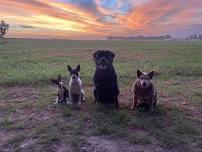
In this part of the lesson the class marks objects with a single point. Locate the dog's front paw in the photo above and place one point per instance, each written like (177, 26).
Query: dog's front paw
(56, 101)
(68, 102)
(83, 100)
(151, 109)
(132, 107)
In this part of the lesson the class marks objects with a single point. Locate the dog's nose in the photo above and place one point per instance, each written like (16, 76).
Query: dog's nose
(103, 61)
(144, 84)
(73, 77)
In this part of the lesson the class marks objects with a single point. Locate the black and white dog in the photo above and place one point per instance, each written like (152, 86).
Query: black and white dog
(62, 91)
(76, 92)
(105, 79)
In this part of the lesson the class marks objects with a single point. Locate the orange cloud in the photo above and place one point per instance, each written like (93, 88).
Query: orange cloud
(50, 18)
(161, 16)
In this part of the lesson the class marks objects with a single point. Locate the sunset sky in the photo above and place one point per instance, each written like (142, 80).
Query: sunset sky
(97, 19)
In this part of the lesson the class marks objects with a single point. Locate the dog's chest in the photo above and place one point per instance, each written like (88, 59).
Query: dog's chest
(143, 99)
(144, 96)
(105, 79)
(60, 91)
(75, 86)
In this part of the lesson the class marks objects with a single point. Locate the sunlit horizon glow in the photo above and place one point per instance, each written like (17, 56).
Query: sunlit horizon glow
(97, 19)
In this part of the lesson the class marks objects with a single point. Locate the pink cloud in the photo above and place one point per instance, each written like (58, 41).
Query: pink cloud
(145, 17)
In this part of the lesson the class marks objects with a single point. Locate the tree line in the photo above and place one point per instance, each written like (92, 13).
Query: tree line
(3, 29)
(195, 37)
(140, 37)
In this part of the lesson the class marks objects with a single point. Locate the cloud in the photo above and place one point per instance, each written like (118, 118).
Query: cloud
(161, 15)
(99, 18)
(26, 26)
(88, 5)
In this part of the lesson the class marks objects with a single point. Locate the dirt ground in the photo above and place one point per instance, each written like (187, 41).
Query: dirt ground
(22, 111)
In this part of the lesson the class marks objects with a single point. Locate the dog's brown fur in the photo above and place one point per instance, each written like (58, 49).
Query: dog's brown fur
(144, 95)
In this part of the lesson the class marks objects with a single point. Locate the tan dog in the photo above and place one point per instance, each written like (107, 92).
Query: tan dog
(144, 92)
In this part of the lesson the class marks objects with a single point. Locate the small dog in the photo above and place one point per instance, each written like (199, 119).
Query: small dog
(62, 91)
(105, 79)
(144, 92)
(76, 92)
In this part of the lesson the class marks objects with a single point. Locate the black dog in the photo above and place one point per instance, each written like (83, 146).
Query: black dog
(105, 79)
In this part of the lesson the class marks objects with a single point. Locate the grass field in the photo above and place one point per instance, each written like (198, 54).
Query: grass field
(29, 121)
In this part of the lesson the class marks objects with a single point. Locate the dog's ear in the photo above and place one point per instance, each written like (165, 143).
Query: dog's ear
(78, 68)
(94, 54)
(111, 54)
(59, 78)
(139, 73)
(69, 68)
(151, 74)
(54, 81)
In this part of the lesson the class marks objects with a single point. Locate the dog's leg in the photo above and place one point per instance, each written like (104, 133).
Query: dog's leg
(63, 98)
(56, 100)
(66, 95)
(155, 100)
(95, 95)
(151, 105)
(70, 98)
(82, 99)
(134, 102)
(116, 101)
(79, 99)
(83, 96)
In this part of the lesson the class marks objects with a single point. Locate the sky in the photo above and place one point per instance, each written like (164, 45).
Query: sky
(97, 19)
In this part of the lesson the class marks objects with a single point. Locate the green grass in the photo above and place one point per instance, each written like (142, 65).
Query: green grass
(178, 79)
(140, 138)
(17, 139)
(197, 96)
(10, 125)
(76, 142)
(31, 62)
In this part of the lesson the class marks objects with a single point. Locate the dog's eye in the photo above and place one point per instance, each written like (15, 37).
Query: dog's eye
(141, 78)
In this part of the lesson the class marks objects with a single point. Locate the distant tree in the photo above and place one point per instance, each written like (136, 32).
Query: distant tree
(200, 37)
(3, 29)
(191, 37)
(168, 37)
(195, 36)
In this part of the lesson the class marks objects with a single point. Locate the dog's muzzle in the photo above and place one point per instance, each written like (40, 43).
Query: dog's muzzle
(102, 67)
(103, 64)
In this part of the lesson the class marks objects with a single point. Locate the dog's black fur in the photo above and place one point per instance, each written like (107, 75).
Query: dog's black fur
(62, 91)
(105, 79)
